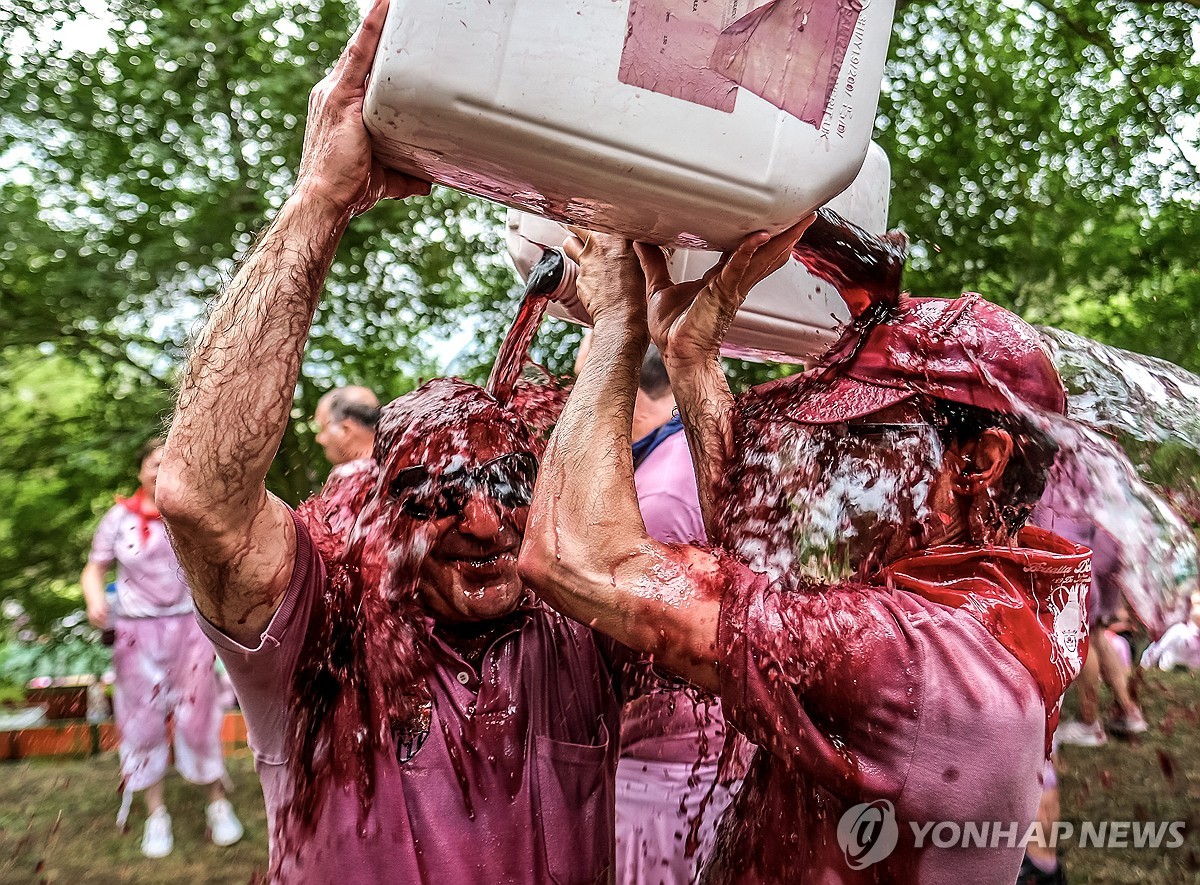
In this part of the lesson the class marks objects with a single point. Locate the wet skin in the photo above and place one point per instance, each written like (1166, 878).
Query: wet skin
(861, 492)
(834, 501)
(962, 471)
(469, 572)
(905, 457)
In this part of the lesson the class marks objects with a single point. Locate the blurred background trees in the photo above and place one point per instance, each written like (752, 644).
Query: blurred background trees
(1042, 153)
(1047, 155)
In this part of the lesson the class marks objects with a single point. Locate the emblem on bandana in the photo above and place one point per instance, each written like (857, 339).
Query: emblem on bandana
(1070, 617)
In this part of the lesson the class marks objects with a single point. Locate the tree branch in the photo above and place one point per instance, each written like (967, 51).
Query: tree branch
(1103, 42)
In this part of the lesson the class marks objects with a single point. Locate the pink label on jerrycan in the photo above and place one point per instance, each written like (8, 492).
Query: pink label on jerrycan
(788, 52)
(669, 47)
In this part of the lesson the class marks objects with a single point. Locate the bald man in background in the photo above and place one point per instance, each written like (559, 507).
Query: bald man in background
(346, 418)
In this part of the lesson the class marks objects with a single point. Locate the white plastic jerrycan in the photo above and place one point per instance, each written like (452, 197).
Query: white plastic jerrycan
(791, 316)
(684, 122)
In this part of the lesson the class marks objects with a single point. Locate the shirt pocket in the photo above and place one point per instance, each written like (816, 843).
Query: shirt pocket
(575, 807)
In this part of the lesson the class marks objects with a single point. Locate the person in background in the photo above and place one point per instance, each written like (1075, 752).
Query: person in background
(1041, 864)
(346, 418)
(1104, 599)
(163, 664)
(1180, 645)
(669, 799)
(1118, 633)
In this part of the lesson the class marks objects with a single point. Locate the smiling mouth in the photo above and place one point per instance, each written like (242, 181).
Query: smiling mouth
(485, 560)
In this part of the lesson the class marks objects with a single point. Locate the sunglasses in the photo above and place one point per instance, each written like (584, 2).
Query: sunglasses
(423, 494)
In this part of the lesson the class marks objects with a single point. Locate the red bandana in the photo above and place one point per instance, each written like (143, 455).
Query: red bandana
(1031, 598)
(143, 508)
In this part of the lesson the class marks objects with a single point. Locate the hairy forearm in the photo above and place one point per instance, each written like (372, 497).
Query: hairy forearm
(586, 548)
(590, 460)
(706, 407)
(585, 521)
(237, 391)
(237, 544)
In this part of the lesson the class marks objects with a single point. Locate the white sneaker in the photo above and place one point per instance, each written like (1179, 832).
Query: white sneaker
(157, 840)
(223, 826)
(1128, 724)
(1080, 734)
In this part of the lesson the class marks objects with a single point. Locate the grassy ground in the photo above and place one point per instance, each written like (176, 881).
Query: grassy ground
(1153, 778)
(56, 818)
(58, 825)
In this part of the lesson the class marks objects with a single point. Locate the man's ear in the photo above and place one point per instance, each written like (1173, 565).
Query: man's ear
(984, 461)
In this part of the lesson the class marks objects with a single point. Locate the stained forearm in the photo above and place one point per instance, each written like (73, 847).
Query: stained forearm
(689, 321)
(237, 391)
(586, 548)
(237, 544)
(593, 520)
(706, 407)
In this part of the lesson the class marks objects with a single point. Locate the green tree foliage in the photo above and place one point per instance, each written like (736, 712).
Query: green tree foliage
(1045, 155)
(1040, 154)
(133, 174)
(71, 444)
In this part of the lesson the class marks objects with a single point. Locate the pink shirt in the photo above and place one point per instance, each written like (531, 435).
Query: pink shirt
(669, 724)
(861, 694)
(511, 782)
(667, 496)
(149, 580)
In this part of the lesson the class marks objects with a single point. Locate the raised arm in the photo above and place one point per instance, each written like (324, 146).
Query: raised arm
(235, 541)
(688, 322)
(586, 550)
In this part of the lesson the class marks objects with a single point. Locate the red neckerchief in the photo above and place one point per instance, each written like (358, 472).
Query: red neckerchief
(143, 508)
(1032, 598)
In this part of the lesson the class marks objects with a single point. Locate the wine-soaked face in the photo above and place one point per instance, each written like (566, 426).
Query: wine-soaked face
(833, 501)
(455, 490)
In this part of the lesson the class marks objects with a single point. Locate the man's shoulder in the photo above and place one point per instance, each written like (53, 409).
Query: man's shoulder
(672, 451)
(116, 513)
